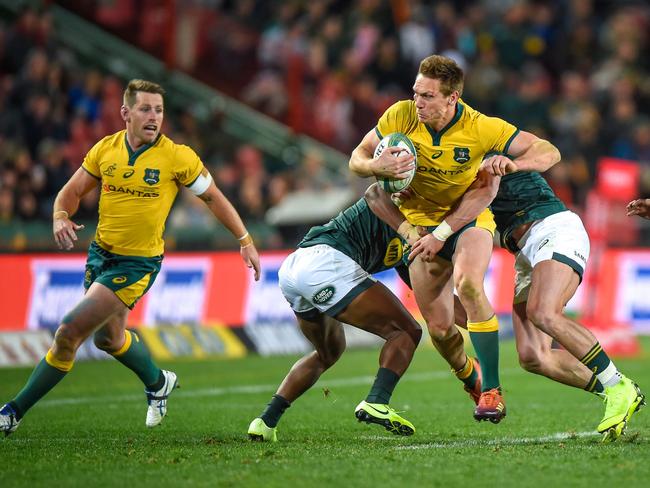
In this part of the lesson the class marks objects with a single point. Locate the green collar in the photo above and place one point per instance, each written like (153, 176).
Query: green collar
(133, 155)
(437, 136)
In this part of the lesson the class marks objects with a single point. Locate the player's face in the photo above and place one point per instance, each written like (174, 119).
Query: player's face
(433, 108)
(145, 118)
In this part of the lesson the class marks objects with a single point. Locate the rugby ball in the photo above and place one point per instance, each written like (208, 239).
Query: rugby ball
(396, 139)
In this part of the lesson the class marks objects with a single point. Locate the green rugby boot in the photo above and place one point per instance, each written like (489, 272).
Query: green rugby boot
(259, 431)
(377, 413)
(621, 401)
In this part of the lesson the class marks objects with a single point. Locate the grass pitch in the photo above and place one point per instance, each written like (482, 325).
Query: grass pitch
(90, 430)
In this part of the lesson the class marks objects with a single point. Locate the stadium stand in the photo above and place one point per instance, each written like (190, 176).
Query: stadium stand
(574, 70)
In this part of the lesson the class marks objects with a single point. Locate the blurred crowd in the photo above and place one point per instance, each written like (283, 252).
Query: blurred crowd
(574, 71)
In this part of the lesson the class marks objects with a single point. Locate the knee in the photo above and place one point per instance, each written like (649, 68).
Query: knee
(332, 354)
(439, 330)
(542, 316)
(105, 342)
(530, 360)
(66, 338)
(468, 288)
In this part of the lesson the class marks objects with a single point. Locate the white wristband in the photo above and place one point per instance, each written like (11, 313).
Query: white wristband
(442, 232)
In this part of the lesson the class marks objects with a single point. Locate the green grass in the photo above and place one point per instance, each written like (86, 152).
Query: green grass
(90, 430)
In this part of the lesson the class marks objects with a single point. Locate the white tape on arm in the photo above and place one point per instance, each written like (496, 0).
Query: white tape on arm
(201, 184)
(442, 232)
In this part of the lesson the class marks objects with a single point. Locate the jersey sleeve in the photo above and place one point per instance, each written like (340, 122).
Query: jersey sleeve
(188, 165)
(394, 119)
(91, 161)
(495, 134)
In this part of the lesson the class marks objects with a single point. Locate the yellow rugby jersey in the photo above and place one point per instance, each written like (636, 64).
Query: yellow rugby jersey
(137, 190)
(447, 160)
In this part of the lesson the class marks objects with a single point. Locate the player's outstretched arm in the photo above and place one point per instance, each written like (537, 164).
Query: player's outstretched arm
(475, 199)
(66, 204)
(387, 164)
(640, 207)
(224, 211)
(527, 153)
(383, 207)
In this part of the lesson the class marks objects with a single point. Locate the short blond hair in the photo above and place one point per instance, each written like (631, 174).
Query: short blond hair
(136, 86)
(445, 70)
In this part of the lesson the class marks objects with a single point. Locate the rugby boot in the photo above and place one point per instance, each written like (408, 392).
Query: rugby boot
(377, 413)
(621, 401)
(8, 420)
(157, 400)
(259, 431)
(490, 406)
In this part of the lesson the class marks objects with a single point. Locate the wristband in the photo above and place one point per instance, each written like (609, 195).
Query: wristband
(245, 240)
(60, 214)
(443, 231)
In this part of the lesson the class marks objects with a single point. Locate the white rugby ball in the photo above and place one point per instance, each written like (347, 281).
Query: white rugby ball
(396, 139)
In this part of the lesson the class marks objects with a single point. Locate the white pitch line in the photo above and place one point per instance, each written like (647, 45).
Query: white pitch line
(506, 441)
(249, 389)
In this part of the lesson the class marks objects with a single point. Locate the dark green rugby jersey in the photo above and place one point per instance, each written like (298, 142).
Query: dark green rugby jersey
(361, 235)
(523, 197)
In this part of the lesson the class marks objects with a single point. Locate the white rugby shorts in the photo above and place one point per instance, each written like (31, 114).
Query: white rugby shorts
(321, 279)
(561, 237)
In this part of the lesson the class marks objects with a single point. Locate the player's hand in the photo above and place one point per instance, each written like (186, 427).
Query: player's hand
(251, 258)
(640, 207)
(427, 248)
(394, 162)
(399, 197)
(65, 233)
(498, 165)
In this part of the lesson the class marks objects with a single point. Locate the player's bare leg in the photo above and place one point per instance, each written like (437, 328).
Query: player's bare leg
(95, 308)
(126, 346)
(471, 260)
(375, 310)
(537, 356)
(553, 283)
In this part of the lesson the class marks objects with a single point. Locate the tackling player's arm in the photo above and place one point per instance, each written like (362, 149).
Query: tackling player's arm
(383, 207)
(475, 199)
(224, 211)
(66, 204)
(363, 163)
(527, 153)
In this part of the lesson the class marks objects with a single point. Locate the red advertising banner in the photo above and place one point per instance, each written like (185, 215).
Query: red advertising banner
(216, 288)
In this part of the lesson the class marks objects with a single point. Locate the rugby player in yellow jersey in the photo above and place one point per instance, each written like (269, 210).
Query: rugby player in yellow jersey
(451, 140)
(140, 171)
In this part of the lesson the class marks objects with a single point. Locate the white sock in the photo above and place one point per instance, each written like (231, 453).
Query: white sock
(609, 376)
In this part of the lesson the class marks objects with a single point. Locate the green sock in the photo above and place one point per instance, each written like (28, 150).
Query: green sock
(599, 363)
(43, 379)
(467, 374)
(485, 339)
(135, 356)
(383, 387)
(274, 410)
(594, 386)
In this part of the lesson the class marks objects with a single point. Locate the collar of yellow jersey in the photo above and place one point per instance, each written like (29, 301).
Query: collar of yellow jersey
(133, 155)
(437, 136)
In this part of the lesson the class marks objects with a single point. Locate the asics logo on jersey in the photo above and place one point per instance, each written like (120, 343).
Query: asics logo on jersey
(151, 176)
(544, 242)
(128, 174)
(109, 171)
(436, 154)
(324, 295)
